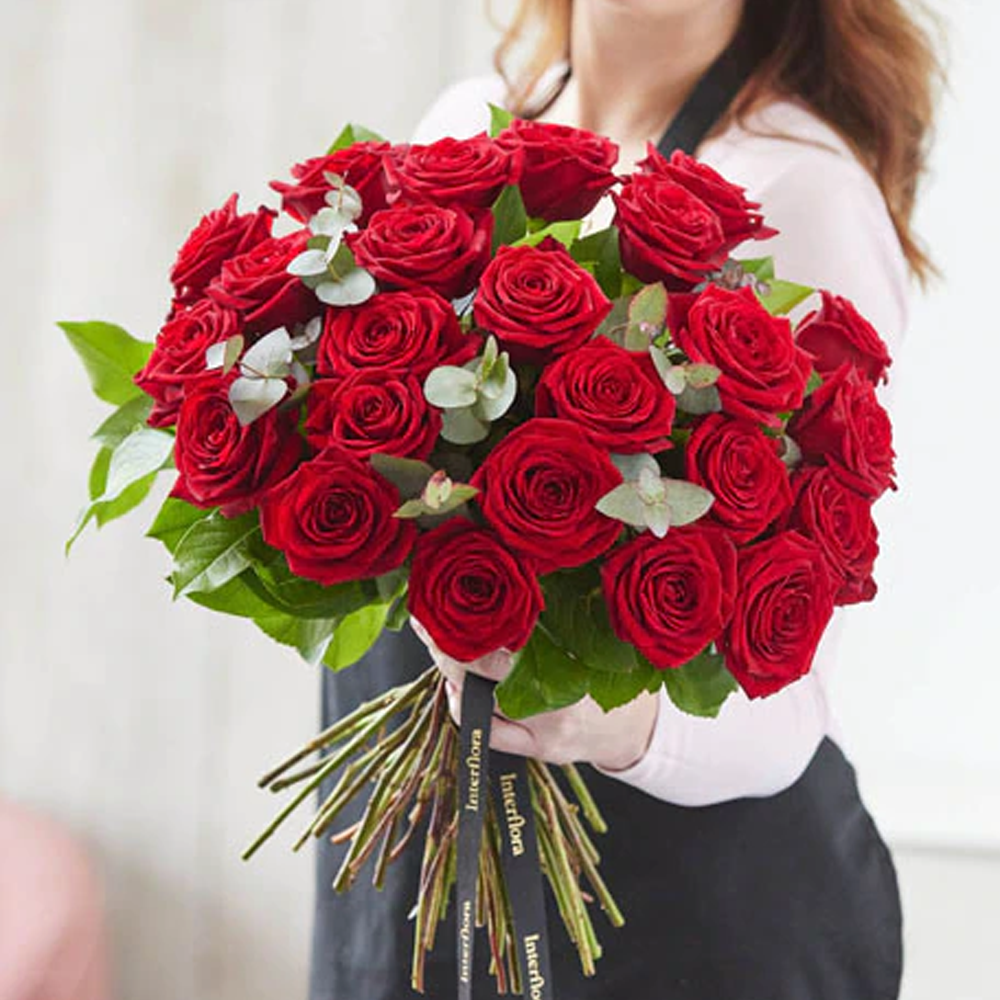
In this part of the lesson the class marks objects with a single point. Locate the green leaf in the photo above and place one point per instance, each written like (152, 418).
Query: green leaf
(500, 118)
(235, 598)
(276, 584)
(111, 356)
(450, 387)
(762, 268)
(355, 635)
(174, 519)
(407, 474)
(576, 618)
(212, 552)
(614, 689)
(815, 381)
(398, 616)
(649, 307)
(310, 636)
(544, 678)
(701, 686)
(510, 220)
(564, 232)
(783, 296)
(350, 134)
(144, 452)
(104, 511)
(601, 250)
(129, 417)
(701, 376)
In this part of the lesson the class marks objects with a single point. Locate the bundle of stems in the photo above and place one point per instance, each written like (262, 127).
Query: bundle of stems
(402, 750)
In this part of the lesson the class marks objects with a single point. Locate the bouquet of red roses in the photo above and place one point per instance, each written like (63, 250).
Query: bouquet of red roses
(438, 394)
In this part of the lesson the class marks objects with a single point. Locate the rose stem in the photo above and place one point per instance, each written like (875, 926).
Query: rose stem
(395, 698)
(384, 855)
(578, 836)
(586, 800)
(343, 835)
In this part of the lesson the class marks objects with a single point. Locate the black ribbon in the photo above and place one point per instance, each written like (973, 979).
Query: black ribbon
(519, 845)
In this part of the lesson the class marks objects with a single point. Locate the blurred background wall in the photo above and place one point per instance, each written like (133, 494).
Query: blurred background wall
(142, 725)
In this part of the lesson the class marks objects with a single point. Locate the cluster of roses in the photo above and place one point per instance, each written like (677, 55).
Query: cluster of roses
(793, 464)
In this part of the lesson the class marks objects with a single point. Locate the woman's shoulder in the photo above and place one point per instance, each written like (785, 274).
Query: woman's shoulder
(462, 109)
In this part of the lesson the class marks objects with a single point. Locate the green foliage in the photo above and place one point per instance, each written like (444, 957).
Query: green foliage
(212, 552)
(510, 220)
(354, 635)
(111, 357)
(123, 474)
(500, 118)
(781, 297)
(612, 689)
(350, 134)
(701, 686)
(647, 317)
(600, 254)
(564, 232)
(815, 381)
(762, 268)
(544, 678)
(174, 519)
(310, 637)
(129, 417)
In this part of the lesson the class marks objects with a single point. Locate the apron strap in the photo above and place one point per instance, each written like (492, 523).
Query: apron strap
(709, 101)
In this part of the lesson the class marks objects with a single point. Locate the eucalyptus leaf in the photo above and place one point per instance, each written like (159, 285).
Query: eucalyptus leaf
(699, 402)
(353, 289)
(700, 376)
(309, 263)
(270, 356)
(408, 475)
(450, 387)
(687, 501)
(632, 467)
(648, 311)
(111, 356)
(462, 426)
(672, 375)
(212, 552)
(701, 686)
(543, 678)
(624, 504)
(489, 407)
(251, 398)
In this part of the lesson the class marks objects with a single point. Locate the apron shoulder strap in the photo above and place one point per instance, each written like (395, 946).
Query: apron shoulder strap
(708, 102)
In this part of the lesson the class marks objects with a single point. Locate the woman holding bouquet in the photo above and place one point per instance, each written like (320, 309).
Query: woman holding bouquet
(745, 862)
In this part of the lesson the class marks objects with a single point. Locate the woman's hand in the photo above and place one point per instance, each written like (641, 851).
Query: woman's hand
(582, 732)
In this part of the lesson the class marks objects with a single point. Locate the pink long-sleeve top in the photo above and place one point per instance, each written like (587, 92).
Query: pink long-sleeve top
(835, 233)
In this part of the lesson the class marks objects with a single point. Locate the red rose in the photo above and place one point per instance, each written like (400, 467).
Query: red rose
(179, 355)
(666, 233)
(566, 170)
(426, 246)
(840, 522)
(394, 331)
(538, 490)
(764, 373)
(539, 302)
(469, 173)
(373, 411)
(739, 465)
(220, 235)
(739, 217)
(470, 593)
(783, 604)
(223, 464)
(844, 426)
(670, 597)
(258, 285)
(333, 519)
(361, 167)
(614, 394)
(836, 333)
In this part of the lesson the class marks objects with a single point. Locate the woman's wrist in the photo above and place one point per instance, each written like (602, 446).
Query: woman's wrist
(632, 736)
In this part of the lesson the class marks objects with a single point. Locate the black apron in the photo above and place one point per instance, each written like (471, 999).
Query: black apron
(792, 897)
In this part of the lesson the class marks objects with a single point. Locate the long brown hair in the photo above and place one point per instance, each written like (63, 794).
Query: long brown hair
(869, 68)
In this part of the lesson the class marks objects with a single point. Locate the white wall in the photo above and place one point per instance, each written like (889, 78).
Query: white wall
(142, 724)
